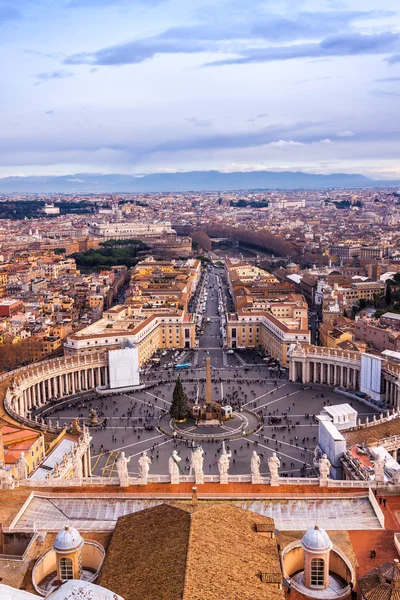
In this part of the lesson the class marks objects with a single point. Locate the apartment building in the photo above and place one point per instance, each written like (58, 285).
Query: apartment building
(376, 335)
(264, 319)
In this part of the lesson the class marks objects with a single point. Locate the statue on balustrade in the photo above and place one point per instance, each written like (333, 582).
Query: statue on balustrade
(324, 466)
(122, 470)
(255, 468)
(21, 467)
(6, 479)
(78, 466)
(223, 464)
(379, 469)
(144, 467)
(196, 464)
(173, 466)
(273, 465)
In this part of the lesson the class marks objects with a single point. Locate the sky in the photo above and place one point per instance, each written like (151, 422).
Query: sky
(144, 86)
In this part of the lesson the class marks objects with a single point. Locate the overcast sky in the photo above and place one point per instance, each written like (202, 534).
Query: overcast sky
(140, 86)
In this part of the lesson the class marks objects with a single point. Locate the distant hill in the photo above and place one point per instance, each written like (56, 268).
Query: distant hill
(188, 181)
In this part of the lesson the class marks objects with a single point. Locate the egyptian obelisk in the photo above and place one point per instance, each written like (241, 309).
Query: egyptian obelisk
(208, 379)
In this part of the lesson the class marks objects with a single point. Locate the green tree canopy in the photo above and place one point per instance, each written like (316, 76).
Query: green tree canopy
(179, 408)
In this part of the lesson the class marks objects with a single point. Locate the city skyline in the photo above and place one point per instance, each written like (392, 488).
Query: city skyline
(145, 87)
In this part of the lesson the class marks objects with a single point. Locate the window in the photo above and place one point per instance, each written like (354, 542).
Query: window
(66, 569)
(317, 572)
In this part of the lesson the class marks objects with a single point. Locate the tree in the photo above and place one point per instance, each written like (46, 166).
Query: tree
(179, 408)
(388, 295)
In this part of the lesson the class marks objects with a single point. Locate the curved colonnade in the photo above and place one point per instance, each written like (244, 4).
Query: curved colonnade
(334, 367)
(35, 385)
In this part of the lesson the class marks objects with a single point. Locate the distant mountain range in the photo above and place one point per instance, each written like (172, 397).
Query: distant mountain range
(188, 181)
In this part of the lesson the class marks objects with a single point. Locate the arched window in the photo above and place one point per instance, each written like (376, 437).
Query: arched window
(66, 569)
(317, 572)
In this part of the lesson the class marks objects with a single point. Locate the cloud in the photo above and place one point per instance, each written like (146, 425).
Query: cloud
(226, 35)
(258, 117)
(104, 3)
(392, 60)
(344, 134)
(387, 79)
(198, 122)
(384, 94)
(9, 13)
(353, 44)
(284, 145)
(49, 112)
(282, 136)
(53, 75)
(326, 141)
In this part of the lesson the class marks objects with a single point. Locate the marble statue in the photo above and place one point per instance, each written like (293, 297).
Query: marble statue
(22, 467)
(379, 468)
(144, 467)
(56, 471)
(6, 479)
(122, 470)
(86, 435)
(78, 467)
(324, 466)
(255, 468)
(273, 465)
(196, 464)
(173, 465)
(223, 464)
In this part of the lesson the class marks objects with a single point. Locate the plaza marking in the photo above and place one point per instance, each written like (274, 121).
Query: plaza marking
(282, 398)
(158, 398)
(149, 404)
(303, 462)
(149, 448)
(156, 437)
(266, 394)
(301, 448)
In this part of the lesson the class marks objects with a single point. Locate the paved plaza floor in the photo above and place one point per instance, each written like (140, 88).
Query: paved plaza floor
(287, 409)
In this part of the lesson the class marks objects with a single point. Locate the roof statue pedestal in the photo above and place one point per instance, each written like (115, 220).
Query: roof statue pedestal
(255, 468)
(273, 465)
(324, 466)
(223, 465)
(144, 468)
(174, 467)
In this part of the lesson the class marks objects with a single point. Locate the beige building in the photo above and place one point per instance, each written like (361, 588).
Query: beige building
(149, 332)
(268, 314)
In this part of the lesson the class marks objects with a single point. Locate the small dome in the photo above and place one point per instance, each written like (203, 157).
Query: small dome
(316, 541)
(68, 540)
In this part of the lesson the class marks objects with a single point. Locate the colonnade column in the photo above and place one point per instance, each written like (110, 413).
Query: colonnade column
(73, 382)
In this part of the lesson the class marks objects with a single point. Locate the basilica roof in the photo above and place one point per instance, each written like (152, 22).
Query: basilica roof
(184, 552)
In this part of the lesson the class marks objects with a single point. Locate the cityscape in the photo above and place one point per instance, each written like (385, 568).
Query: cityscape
(199, 300)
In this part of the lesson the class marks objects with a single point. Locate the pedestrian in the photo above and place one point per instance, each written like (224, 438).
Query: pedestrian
(384, 502)
(380, 499)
